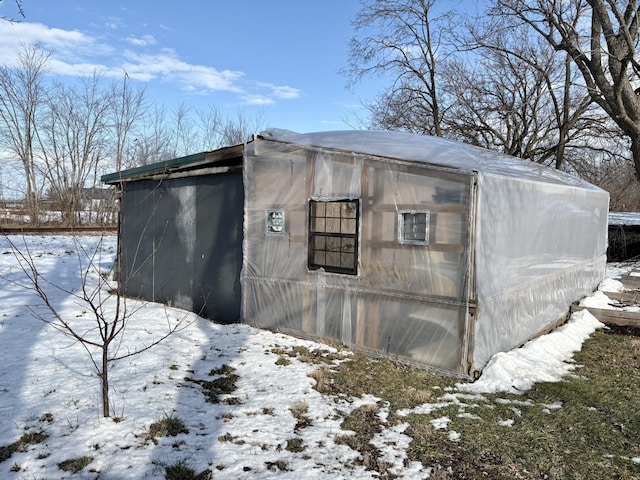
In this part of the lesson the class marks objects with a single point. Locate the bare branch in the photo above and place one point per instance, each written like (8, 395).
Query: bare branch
(109, 312)
(20, 12)
(600, 36)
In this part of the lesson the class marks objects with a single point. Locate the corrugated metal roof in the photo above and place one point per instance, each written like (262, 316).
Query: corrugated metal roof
(190, 162)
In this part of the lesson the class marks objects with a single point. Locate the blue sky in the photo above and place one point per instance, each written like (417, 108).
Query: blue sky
(279, 58)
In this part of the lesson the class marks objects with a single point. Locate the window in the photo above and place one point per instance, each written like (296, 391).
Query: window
(333, 236)
(275, 222)
(413, 227)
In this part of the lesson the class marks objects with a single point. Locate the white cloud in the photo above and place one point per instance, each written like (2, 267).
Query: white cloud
(69, 47)
(285, 92)
(144, 41)
(114, 23)
(14, 35)
(166, 65)
(79, 54)
(257, 100)
(280, 91)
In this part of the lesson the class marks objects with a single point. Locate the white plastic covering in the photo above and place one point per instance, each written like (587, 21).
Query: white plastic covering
(539, 247)
(509, 245)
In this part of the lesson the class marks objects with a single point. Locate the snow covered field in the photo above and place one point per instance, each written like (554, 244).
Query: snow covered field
(48, 386)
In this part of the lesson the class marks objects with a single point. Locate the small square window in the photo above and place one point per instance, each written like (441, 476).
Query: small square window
(413, 227)
(275, 222)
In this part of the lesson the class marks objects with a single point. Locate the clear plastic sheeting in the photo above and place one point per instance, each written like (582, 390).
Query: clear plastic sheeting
(539, 247)
(425, 250)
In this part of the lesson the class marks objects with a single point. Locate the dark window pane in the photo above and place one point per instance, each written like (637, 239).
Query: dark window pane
(349, 226)
(349, 210)
(347, 260)
(333, 259)
(333, 225)
(319, 257)
(333, 244)
(318, 224)
(318, 243)
(333, 209)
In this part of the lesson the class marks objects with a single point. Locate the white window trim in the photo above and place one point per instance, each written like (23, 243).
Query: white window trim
(268, 224)
(401, 239)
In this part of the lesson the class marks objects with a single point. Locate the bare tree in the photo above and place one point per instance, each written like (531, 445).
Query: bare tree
(208, 124)
(601, 38)
(519, 95)
(401, 39)
(403, 109)
(73, 140)
(486, 80)
(22, 98)
(239, 128)
(107, 307)
(503, 108)
(154, 144)
(610, 168)
(189, 131)
(184, 131)
(128, 108)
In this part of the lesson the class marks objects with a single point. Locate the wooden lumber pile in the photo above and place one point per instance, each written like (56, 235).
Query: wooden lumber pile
(628, 298)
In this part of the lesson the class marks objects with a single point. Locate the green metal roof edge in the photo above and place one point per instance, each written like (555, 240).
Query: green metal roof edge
(153, 168)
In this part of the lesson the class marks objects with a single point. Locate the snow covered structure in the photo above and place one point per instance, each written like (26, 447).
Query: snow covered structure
(624, 236)
(426, 250)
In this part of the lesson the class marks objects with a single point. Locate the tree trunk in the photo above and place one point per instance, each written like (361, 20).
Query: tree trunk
(635, 153)
(31, 196)
(105, 382)
(560, 149)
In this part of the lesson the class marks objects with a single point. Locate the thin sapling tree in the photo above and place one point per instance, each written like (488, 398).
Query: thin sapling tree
(109, 310)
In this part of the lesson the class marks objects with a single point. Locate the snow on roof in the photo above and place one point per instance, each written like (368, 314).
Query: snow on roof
(624, 218)
(428, 149)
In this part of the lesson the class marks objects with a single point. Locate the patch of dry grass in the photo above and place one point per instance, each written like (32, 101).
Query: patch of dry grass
(585, 427)
(168, 426)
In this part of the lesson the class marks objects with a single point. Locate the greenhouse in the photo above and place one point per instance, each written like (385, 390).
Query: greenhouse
(428, 251)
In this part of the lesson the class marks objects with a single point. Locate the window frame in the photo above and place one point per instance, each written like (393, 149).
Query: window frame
(401, 227)
(340, 236)
(268, 224)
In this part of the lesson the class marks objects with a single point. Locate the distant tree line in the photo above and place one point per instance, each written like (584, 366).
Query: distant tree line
(554, 82)
(65, 136)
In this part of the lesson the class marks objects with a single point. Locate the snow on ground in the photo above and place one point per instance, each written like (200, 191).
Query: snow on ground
(48, 386)
(545, 359)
